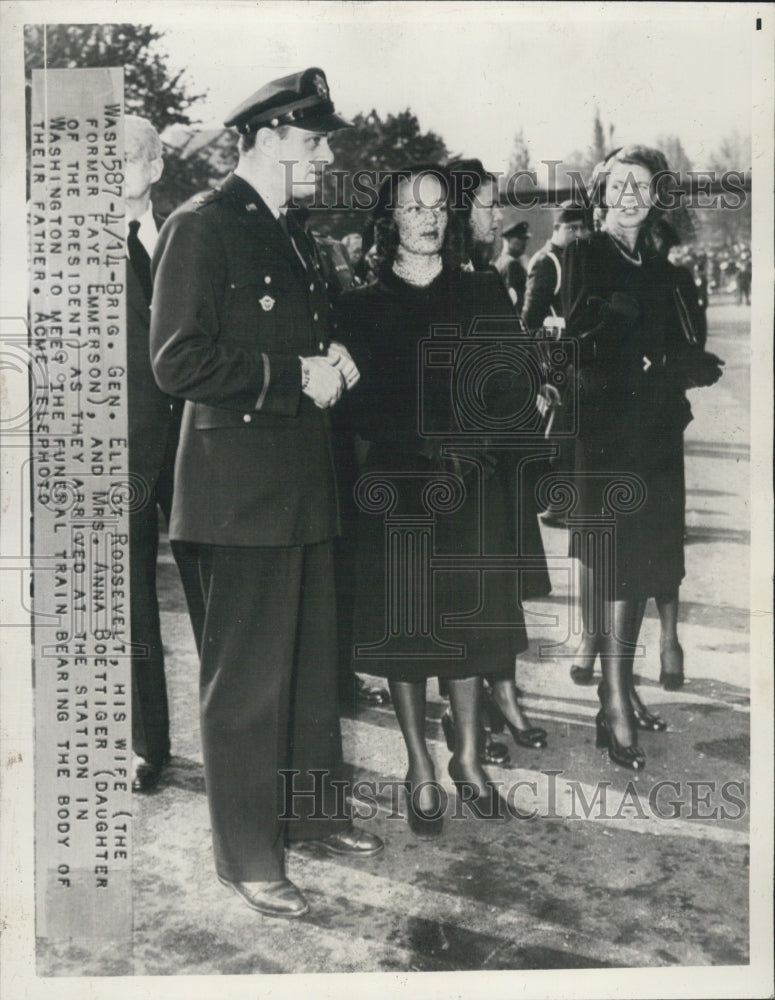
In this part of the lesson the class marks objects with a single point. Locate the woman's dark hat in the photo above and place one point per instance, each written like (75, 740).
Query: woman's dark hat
(302, 100)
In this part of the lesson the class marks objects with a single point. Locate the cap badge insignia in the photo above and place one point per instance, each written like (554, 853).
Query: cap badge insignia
(266, 303)
(252, 206)
(320, 86)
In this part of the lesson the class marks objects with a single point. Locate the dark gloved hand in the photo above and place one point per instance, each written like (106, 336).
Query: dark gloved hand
(697, 368)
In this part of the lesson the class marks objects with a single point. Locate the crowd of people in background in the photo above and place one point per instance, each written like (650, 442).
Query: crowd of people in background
(716, 269)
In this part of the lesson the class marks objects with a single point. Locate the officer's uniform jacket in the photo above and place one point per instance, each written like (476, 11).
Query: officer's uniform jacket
(544, 280)
(154, 417)
(235, 306)
(514, 278)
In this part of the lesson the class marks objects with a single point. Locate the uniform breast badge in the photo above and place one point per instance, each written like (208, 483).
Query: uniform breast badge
(266, 303)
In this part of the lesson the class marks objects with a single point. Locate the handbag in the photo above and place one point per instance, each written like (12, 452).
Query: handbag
(697, 367)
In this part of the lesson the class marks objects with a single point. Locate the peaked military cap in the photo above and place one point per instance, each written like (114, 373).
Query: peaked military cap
(518, 229)
(302, 100)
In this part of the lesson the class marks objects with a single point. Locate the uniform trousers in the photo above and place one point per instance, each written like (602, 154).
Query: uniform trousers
(150, 711)
(268, 702)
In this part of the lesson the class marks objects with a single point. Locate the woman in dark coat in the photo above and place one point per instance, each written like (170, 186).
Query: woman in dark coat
(475, 202)
(634, 366)
(434, 499)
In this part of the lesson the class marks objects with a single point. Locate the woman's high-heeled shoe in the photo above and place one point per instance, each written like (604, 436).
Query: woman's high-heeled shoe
(631, 757)
(647, 721)
(487, 804)
(533, 737)
(672, 679)
(424, 825)
(490, 751)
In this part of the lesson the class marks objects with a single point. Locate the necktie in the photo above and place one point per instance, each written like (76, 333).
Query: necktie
(282, 219)
(139, 258)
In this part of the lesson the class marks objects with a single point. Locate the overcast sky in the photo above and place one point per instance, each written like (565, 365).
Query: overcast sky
(475, 73)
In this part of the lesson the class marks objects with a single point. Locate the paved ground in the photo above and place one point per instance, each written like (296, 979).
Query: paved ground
(656, 876)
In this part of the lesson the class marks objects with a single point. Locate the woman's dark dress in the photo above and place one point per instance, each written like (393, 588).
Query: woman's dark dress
(632, 412)
(383, 325)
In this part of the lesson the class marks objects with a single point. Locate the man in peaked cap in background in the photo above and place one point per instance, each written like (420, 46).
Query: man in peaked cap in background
(544, 272)
(239, 330)
(509, 264)
(543, 307)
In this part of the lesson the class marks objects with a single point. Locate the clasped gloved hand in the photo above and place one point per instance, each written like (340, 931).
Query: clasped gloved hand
(697, 368)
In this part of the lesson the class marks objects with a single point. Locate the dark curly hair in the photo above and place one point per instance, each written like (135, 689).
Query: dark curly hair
(385, 226)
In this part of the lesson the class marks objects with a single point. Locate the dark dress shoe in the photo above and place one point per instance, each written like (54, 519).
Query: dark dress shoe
(273, 899)
(147, 774)
(370, 695)
(424, 825)
(494, 752)
(631, 757)
(353, 842)
(490, 751)
(647, 721)
(532, 737)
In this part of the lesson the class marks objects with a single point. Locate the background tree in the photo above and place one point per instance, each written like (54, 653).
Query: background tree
(730, 225)
(373, 144)
(520, 153)
(583, 162)
(199, 157)
(599, 148)
(675, 153)
(151, 89)
(377, 144)
(684, 218)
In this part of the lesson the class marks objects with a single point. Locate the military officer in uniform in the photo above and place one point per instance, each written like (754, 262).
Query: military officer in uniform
(239, 330)
(543, 307)
(544, 272)
(509, 264)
